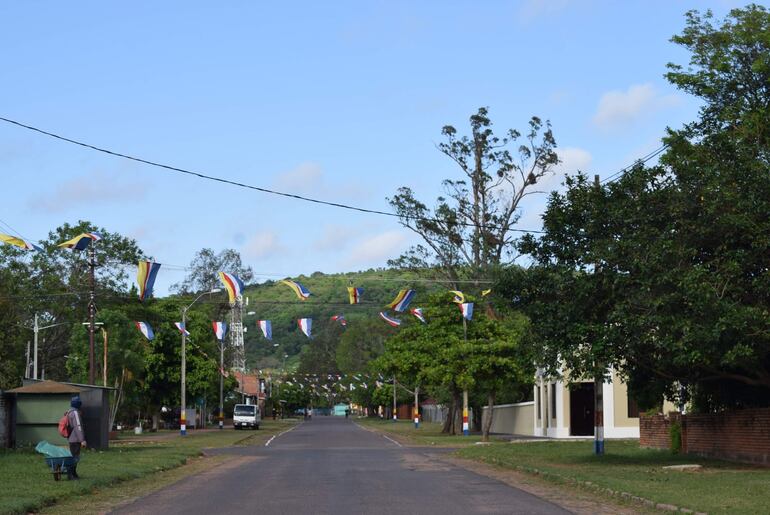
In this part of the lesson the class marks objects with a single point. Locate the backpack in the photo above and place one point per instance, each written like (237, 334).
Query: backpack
(64, 425)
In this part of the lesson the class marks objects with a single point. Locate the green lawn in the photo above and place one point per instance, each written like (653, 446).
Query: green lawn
(719, 487)
(27, 483)
(427, 434)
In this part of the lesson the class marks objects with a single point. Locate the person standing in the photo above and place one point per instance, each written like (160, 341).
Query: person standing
(77, 435)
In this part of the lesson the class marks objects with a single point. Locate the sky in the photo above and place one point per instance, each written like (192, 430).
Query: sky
(342, 101)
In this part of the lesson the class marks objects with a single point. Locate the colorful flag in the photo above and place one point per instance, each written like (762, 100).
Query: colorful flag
(267, 328)
(305, 325)
(301, 292)
(233, 285)
(459, 297)
(181, 329)
(418, 313)
(402, 300)
(340, 319)
(395, 322)
(220, 329)
(19, 242)
(145, 276)
(145, 329)
(467, 310)
(355, 294)
(81, 241)
(484, 293)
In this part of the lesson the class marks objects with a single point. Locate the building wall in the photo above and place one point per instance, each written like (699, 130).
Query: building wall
(621, 404)
(738, 435)
(556, 423)
(5, 421)
(37, 417)
(512, 418)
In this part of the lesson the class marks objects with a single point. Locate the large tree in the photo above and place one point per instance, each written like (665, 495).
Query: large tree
(664, 272)
(472, 227)
(202, 274)
(437, 358)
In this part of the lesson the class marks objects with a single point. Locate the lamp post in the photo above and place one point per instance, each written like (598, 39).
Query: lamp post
(183, 414)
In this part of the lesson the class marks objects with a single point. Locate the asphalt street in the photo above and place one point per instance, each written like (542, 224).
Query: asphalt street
(333, 466)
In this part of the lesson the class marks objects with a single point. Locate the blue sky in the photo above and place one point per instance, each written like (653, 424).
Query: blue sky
(342, 101)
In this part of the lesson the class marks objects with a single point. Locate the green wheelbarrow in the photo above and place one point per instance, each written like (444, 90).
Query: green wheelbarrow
(59, 459)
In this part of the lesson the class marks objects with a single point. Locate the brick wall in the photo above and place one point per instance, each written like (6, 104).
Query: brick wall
(738, 435)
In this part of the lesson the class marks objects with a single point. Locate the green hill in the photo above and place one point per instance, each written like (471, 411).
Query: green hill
(276, 302)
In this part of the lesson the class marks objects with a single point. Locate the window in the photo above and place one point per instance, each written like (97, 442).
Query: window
(537, 401)
(553, 400)
(633, 408)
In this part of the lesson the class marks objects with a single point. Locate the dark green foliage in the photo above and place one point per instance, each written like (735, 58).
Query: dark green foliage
(663, 273)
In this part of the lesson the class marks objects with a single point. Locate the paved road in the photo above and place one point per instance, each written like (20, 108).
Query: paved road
(333, 466)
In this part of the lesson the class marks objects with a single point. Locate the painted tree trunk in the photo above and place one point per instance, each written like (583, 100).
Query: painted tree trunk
(487, 423)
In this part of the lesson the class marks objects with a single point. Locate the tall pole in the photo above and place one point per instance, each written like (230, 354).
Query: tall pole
(466, 426)
(91, 311)
(395, 406)
(221, 384)
(104, 364)
(36, 329)
(598, 387)
(183, 413)
(416, 407)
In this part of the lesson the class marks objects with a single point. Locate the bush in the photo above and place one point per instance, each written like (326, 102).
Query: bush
(676, 436)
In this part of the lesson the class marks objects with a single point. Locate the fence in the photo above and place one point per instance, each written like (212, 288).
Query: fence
(734, 435)
(517, 419)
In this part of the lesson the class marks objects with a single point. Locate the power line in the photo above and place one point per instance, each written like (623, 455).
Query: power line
(617, 175)
(248, 186)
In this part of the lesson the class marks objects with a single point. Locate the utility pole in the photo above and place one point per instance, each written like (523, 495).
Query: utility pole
(91, 310)
(466, 426)
(598, 386)
(104, 364)
(417, 407)
(221, 383)
(395, 407)
(36, 329)
(183, 413)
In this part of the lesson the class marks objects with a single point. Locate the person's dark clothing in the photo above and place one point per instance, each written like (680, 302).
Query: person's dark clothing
(77, 434)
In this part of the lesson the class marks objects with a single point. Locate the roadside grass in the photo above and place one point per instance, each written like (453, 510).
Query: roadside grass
(719, 487)
(429, 434)
(28, 485)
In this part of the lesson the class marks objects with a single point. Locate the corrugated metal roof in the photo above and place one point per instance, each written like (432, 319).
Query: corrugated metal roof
(46, 387)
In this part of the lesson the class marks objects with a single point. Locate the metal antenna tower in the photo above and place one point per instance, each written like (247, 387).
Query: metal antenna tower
(236, 336)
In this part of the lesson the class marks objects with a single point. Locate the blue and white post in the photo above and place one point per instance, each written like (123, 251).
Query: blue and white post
(599, 416)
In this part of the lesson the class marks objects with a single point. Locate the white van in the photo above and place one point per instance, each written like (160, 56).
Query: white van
(246, 415)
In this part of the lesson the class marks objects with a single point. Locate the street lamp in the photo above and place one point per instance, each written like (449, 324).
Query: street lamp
(183, 414)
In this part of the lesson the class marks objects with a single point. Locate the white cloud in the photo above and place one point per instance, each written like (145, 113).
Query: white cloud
(334, 237)
(618, 109)
(309, 179)
(531, 9)
(305, 178)
(262, 244)
(375, 250)
(92, 188)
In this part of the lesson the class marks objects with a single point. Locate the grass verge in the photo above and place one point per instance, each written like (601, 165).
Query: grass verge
(428, 434)
(719, 487)
(29, 486)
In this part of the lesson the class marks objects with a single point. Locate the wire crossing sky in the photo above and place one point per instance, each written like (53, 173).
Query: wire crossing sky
(342, 103)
